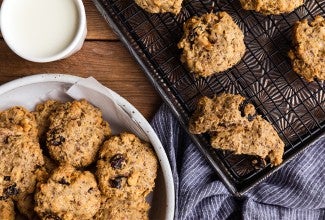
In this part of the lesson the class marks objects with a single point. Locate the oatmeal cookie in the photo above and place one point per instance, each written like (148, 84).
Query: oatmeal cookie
(21, 162)
(211, 43)
(308, 55)
(237, 128)
(160, 6)
(122, 209)
(76, 132)
(19, 119)
(42, 113)
(210, 113)
(7, 209)
(68, 194)
(127, 167)
(268, 7)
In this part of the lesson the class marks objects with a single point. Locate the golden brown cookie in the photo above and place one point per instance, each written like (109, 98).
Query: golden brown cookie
(236, 128)
(42, 113)
(210, 113)
(21, 162)
(122, 209)
(68, 194)
(160, 6)
(7, 209)
(126, 168)
(211, 43)
(308, 55)
(268, 7)
(76, 132)
(18, 118)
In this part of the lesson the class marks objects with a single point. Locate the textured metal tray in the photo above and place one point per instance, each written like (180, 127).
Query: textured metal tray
(295, 107)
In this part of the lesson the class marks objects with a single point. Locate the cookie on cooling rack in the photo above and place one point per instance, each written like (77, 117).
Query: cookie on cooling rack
(308, 55)
(160, 6)
(21, 163)
(122, 209)
(237, 128)
(211, 43)
(68, 194)
(76, 132)
(126, 168)
(7, 209)
(268, 7)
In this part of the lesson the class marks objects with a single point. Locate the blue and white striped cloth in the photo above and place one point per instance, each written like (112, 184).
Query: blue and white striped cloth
(296, 191)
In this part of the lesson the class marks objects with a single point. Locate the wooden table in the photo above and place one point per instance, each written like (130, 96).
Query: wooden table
(102, 56)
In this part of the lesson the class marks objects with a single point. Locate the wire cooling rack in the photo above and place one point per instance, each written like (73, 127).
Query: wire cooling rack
(295, 107)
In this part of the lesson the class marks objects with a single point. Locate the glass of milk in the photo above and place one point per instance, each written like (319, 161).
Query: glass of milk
(43, 30)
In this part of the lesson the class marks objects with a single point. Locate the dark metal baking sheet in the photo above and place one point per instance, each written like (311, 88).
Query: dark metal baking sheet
(295, 107)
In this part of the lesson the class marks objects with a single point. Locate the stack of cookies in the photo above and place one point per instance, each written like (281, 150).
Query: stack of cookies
(62, 162)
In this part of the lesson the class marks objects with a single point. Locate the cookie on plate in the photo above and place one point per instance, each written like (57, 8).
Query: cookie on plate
(126, 168)
(308, 55)
(68, 194)
(21, 163)
(160, 6)
(122, 209)
(236, 128)
(7, 209)
(76, 132)
(42, 113)
(211, 43)
(18, 118)
(268, 7)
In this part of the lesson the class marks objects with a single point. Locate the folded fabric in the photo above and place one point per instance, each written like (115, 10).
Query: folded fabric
(296, 191)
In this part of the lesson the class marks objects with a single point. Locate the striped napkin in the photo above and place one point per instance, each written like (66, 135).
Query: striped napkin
(296, 191)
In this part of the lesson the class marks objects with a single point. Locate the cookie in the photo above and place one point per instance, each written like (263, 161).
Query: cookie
(68, 194)
(126, 168)
(211, 43)
(21, 162)
(160, 6)
(76, 132)
(7, 209)
(268, 7)
(19, 119)
(236, 128)
(42, 113)
(210, 113)
(308, 55)
(122, 209)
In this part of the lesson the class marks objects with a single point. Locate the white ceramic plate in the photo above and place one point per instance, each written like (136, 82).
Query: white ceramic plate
(28, 91)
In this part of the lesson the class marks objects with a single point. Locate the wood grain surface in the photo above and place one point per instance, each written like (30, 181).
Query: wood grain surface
(102, 56)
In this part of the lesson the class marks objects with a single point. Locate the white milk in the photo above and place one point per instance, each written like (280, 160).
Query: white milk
(41, 28)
